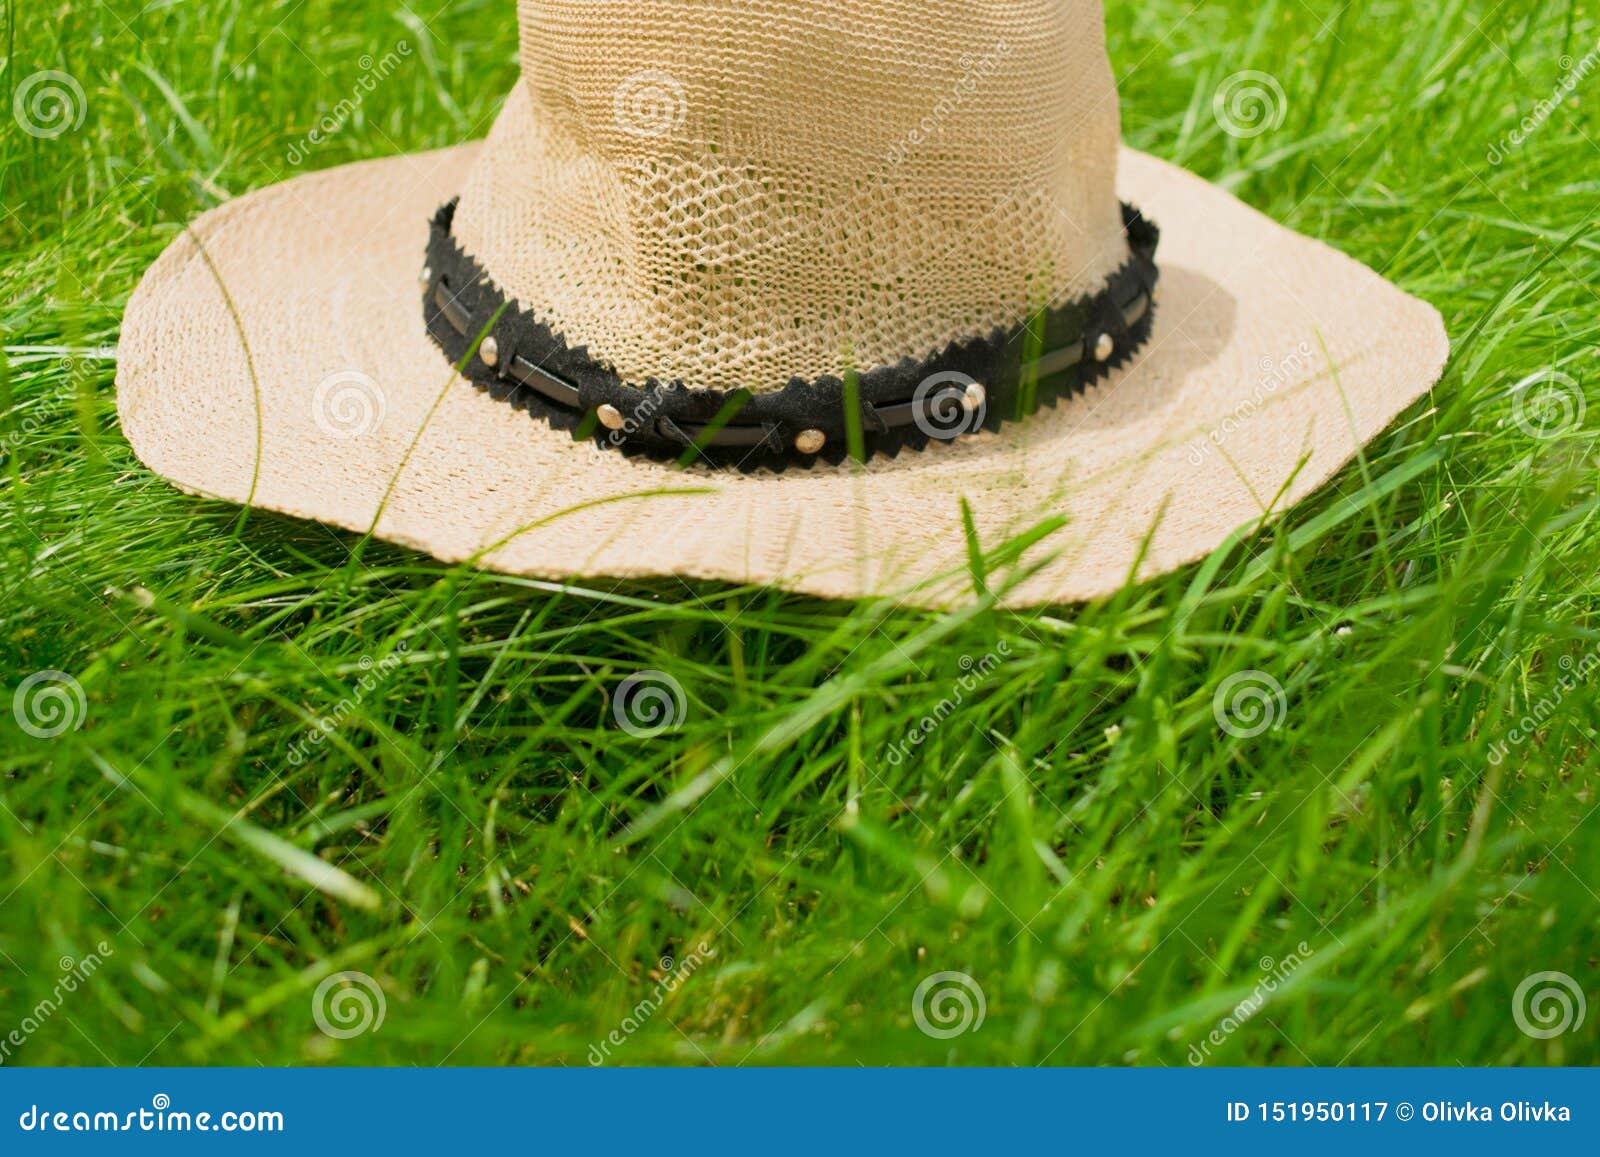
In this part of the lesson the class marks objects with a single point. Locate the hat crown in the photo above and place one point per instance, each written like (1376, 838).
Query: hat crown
(828, 80)
(741, 192)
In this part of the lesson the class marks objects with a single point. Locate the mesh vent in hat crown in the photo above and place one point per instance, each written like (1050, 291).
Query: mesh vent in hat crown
(740, 194)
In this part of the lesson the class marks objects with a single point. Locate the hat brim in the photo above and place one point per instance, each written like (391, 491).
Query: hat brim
(275, 355)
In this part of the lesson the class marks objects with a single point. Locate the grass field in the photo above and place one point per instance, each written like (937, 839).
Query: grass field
(509, 877)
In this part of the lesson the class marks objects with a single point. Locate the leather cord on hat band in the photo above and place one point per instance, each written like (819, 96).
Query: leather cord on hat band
(974, 385)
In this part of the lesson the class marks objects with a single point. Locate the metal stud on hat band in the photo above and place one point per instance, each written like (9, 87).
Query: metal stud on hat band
(810, 441)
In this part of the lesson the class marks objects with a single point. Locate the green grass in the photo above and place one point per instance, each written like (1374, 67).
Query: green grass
(1081, 838)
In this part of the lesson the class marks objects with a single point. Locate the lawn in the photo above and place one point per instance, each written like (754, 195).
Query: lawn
(1328, 797)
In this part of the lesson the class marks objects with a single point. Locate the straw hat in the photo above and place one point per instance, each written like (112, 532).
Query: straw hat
(782, 292)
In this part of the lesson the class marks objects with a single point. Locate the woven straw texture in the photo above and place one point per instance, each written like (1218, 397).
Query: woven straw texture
(740, 192)
(1273, 359)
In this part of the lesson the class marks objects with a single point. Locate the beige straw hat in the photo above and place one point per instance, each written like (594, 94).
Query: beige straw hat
(780, 292)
